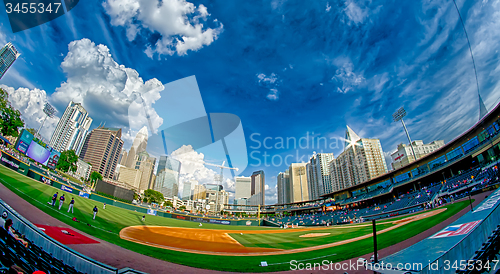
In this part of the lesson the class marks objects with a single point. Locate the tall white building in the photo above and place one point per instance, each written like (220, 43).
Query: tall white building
(243, 187)
(283, 185)
(8, 54)
(404, 155)
(298, 186)
(258, 188)
(361, 160)
(139, 145)
(71, 129)
(318, 173)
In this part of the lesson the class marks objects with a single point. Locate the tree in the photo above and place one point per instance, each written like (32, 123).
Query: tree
(153, 196)
(10, 121)
(168, 203)
(94, 176)
(67, 161)
(31, 130)
(182, 207)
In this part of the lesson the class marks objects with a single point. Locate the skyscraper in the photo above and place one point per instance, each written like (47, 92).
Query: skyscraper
(258, 187)
(71, 129)
(186, 190)
(139, 145)
(283, 184)
(243, 187)
(298, 186)
(167, 179)
(319, 175)
(8, 55)
(199, 193)
(146, 165)
(361, 160)
(102, 149)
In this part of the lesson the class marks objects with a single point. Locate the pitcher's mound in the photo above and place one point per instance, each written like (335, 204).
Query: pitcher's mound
(310, 235)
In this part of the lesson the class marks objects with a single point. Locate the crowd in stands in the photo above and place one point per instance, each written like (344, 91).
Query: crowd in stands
(429, 196)
(20, 255)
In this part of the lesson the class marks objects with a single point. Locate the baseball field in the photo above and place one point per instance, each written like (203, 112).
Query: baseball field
(223, 247)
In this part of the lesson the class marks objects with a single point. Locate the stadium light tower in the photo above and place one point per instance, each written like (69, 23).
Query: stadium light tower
(398, 116)
(49, 111)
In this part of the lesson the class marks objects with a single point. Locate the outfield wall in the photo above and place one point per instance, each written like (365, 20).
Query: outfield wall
(43, 176)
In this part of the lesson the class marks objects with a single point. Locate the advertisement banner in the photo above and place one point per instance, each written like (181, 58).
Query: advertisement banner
(24, 141)
(67, 189)
(151, 212)
(84, 194)
(9, 161)
(220, 222)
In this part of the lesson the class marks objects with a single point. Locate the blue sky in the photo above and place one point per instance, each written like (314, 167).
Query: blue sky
(286, 68)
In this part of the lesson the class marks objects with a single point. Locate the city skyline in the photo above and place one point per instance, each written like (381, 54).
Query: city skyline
(300, 81)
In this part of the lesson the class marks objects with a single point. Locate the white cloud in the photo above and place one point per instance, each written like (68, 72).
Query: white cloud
(355, 13)
(180, 23)
(271, 195)
(30, 103)
(106, 89)
(328, 7)
(192, 168)
(271, 82)
(348, 79)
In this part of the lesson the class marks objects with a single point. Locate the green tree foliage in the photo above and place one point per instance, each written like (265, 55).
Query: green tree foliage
(4, 99)
(10, 121)
(182, 207)
(153, 196)
(94, 176)
(31, 130)
(67, 161)
(168, 203)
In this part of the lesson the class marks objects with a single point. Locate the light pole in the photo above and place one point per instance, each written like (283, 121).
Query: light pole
(398, 116)
(49, 112)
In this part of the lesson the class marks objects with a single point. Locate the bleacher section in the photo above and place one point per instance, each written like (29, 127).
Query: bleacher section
(44, 253)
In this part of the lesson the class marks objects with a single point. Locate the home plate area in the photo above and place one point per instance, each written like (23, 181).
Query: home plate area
(66, 235)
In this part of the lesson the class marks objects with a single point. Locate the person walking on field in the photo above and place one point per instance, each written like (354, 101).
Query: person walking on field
(61, 201)
(71, 204)
(104, 206)
(95, 212)
(54, 199)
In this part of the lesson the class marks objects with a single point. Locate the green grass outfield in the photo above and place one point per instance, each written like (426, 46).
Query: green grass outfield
(110, 221)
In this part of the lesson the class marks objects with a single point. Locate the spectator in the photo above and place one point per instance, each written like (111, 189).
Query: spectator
(7, 226)
(3, 218)
(16, 270)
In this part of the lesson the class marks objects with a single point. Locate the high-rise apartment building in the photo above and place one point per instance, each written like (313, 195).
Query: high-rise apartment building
(139, 145)
(298, 186)
(146, 165)
(102, 149)
(71, 129)
(258, 187)
(130, 176)
(167, 179)
(361, 160)
(283, 186)
(8, 54)
(199, 193)
(243, 187)
(319, 175)
(404, 155)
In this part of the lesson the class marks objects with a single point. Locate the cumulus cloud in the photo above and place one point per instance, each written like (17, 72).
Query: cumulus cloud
(108, 91)
(181, 24)
(271, 82)
(193, 168)
(30, 103)
(355, 13)
(271, 194)
(346, 78)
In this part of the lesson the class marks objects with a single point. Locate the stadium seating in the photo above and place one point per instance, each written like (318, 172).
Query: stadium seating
(29, 258)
